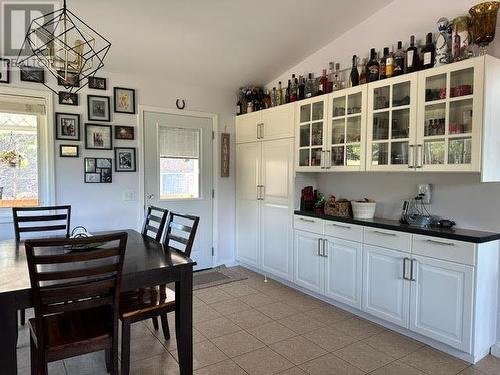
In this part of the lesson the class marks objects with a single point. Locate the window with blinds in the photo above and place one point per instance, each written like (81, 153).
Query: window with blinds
(179, 153)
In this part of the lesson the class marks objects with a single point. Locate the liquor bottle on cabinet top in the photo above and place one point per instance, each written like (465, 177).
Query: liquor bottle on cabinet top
(274, 97)
(373, 67)
(389, 64)
(341, 79)
(331, 76)
(309, 88)
(301, 88)
(238, 107)
(287, 92)
(293, 89)
(399, 60)
(412, 58)
(354, 76)
(362, 76)
(428, 53)
(279, 97)
(323, 84)
(383, 64)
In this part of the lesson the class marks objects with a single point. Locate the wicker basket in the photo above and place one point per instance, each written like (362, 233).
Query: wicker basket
(342, 207)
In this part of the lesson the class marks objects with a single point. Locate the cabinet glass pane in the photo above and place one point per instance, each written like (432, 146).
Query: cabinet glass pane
(434, 151)
(400, 123)
(317, 134)
(435, 87)
(353, 129)
(304, 157)
(354, 104)
(380, 153)
(461, 82)
(459, 151)
(381, 126)
(316, 157)
(317, 111)
(401, 94)
(399, 153)
(381, 97)
(338, 155)
(338, 107)
(305, 135)
(435, 117)
(353, 155)
(460, 117)
(338, 131)
(305, 113)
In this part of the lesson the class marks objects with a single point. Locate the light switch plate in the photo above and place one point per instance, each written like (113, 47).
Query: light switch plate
(129, 196)
(424, 189)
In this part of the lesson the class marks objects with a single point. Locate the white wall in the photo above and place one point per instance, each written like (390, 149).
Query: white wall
(100, 206)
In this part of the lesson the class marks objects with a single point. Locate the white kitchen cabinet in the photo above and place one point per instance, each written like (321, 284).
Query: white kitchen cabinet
(386, 290)
(308, 261)
(343, 266)
(248, 127)
(442, 301)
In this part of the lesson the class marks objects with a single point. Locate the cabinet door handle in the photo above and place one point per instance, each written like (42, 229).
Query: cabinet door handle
(419, 158)
(442, 243)
(328, 159)
(259, 192)
(325, 248)
(323, 161)
(262, 192)
(262, 130)
(411, 156)
(341, 226)
(384, 233)
(404, 268)
(307, 220)
(412, 271)
(319, 247)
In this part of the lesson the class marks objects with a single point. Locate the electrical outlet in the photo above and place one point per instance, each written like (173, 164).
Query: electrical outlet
(425, 190)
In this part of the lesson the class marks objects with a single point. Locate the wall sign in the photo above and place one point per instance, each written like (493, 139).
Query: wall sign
(224, 150)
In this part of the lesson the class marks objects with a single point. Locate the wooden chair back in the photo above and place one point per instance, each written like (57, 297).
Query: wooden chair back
(41, 219)
(181, 232)
(65, 276)
(154, 222)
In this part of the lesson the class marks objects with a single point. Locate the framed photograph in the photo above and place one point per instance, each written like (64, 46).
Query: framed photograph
(4, 70)
(98, 170)
(68, 98)
(98, 108)
(124, 100)
(98, 137)
(89, 165)
(97, 83)
(72, 79)
(125, 159)
(124, 132)
(69, 151)
(92, 178)
(32, 74)
(68, 126)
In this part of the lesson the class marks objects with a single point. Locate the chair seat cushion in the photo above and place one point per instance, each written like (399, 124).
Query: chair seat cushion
(75, 328)
(145, 301)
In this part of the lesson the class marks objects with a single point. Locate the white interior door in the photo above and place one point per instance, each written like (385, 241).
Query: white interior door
(178, 172)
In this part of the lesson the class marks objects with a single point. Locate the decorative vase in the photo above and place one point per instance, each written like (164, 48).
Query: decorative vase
(484, 21)
(443, 42)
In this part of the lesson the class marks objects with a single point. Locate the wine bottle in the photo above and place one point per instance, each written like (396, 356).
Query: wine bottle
(238, 107)
(428, 53)
(362, 76)
(373, 67)
(323, 84)
(274, 98)
(293, 89)
(354, 77)
(383, 64)
(412, 58)
(389, 64)
(331, 75)
(309, 88)
(279, 97)
(301, 88)
(399, 60)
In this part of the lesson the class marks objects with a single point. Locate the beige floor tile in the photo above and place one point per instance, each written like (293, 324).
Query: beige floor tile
(471, 371)
(85, 364)
(305, 303)
(329, 315)
(258, 299)
(205, 353)
(159, 365)
(55, 368)
(249, 318)
(364, 356)
(298, 349)
(171, 344)
(203, 313)
(263, 361)
(489, 365)
(358, 327)
(281, 293)
(330, 338)
(230, 306)
(239, 290)
(272, 332)
(217, 327)
(434, 362)
(393, 344)
(277, 310)
(293, 371)
(237, 343)
(212, 295)
(226, 367)
(301, 323)
(397, 368)
(328, 365)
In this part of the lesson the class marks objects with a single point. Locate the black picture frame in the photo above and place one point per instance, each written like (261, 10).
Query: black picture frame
(98, 170)
(63, 155)
(91, 108)
(97, 83)
(63, 123)
(125, 159)
(117, 97)
(32, 74)
(93, 141)
(73, 82)
(4, 70)
(68, 98)
(126, 133)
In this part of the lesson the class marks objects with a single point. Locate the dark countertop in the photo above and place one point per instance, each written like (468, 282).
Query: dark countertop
(458, 234)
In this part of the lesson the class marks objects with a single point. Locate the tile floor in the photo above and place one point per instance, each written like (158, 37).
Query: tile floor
(252, 327)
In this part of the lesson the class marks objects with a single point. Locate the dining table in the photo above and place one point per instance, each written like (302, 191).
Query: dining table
(147, 263)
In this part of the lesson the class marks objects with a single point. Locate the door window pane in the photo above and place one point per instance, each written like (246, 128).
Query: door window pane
(353, 130)
(399, 153)
(381, 125)
(305, 135)
(435, 87)
(338, 155)
(461, 82)
(338, 107)
(380, 153)
(381, 97)
(316, 157)
(338, 131)
(305, 113)
(304, 157)
(435, 118)
(400, 123)
(317, 111)
(460, 117)
(459, 151)
(354, 104)
(434, 152)
(401, 94)
(353, 155)
(317, 134)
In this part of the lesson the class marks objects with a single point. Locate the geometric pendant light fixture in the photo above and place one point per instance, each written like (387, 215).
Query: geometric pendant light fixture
(66, 46)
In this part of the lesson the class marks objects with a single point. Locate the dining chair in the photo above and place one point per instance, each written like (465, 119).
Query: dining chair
(37, 219)
(75, 285)
(154, 222)
(157, 301)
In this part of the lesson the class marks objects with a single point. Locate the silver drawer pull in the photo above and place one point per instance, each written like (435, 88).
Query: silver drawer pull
(306, 220)
(341, 226)
(441, 243)
(384, 233)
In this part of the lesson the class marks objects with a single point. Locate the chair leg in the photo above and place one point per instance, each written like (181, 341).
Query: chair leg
(155, 323)
(107, 353)
(23, 316)
(125, 348)
(33, 355)
(164, 326)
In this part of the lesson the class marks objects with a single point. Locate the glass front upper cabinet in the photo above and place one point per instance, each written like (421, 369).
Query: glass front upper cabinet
(392, 111)
(449, 125)
(311, 134)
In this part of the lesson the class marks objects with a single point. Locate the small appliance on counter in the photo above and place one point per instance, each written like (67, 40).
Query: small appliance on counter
(415, 213)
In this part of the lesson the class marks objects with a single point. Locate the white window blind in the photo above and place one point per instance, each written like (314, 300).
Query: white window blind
(23, 105)
(179, 142)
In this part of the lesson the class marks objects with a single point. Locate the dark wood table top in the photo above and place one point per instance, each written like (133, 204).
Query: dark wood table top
(144, 258)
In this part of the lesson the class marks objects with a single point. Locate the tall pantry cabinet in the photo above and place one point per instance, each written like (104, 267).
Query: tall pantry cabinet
(264, 190)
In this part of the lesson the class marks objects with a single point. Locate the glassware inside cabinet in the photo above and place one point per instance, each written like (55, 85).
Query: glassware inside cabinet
(353, 155)
(434, 152)
(401, 94)
(435, 88)
(305, 135)
(461, 82)
(399, 153)
(400, 123)
(338, 131)
(380, 153)
(304, 159)
(381, 97)
(338, 108)
(460, 117)
(317, 111)
(317, 134)
(338, 155)
(435, 119)
(380, 126)
(316, 157)
(459, 151)
(354, 104)
(305, 113)
(353, 129)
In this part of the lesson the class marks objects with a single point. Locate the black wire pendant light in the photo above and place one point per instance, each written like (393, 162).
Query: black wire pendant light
(66, 46)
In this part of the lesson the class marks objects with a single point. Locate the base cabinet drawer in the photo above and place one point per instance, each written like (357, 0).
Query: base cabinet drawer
(444, 249)
(350, 232)
(387, 238)
(310, 224)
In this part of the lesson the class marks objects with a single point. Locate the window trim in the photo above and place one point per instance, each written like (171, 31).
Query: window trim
(46, 157)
